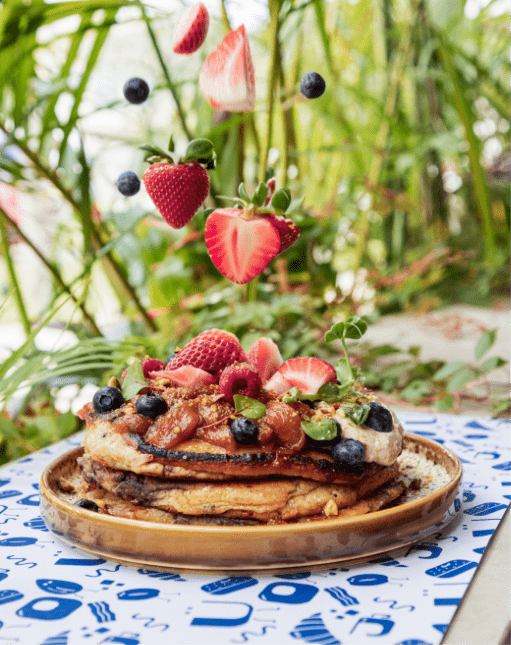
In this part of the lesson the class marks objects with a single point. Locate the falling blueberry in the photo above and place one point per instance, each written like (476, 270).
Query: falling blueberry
(128, 184)
(136, 90)
(312, 85)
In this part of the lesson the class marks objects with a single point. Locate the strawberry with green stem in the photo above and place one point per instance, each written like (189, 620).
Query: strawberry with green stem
(179, 188)
(242, 241)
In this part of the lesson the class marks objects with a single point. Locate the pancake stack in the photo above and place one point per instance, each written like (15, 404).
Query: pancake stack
(236, 444)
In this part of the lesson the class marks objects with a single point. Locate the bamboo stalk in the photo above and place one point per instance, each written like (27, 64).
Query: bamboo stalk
(13, 279)
(90, 321)
(274, 6)
(165, 71)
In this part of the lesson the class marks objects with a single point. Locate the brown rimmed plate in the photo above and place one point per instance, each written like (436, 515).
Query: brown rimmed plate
(423, 510)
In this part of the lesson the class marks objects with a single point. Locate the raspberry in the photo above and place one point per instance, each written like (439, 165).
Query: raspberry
(211, 350)
(239, 379)
(151, 365)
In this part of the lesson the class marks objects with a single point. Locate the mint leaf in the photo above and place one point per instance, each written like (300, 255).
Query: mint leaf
(355, 327)
(357, 413)
(343, 370)
(492, 363)
(320, 429)
(134, 380)
(332, 392)
(249, 408)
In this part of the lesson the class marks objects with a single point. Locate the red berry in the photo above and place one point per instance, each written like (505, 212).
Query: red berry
(265, 356)
(227, 79)
(240, 247)
(239, 379)
(191, 30)
(177, 190)
(211, 350)
(151, 365)
(307, 374)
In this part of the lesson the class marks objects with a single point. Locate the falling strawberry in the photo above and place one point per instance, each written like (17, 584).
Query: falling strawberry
(243, 241)
(240, 247)
(178, 189)
(191, 30)
(227, 78)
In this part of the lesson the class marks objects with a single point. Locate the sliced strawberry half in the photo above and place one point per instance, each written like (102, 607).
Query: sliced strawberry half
(211, 350)
(191, 29)
(307, 374)
(277, 384)
(186, 376)
(240, 248)
(227, 78)
(265, 356)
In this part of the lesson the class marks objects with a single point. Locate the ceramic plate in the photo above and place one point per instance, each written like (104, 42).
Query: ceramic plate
(423, 510)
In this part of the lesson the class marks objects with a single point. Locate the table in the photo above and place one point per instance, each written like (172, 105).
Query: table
(53, 595)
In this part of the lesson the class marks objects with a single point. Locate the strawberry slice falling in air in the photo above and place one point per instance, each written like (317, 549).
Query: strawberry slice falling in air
(227, 78)
(191, 30)
(240, 248)
(243, 241)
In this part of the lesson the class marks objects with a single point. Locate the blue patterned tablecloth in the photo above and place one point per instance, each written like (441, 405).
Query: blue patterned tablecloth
(53, 595)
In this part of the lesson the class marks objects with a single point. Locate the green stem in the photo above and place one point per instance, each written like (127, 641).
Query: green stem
(165, 71)
(114, 271)
(274, 6)
(6, 221)
(14, 280)
(350, 371)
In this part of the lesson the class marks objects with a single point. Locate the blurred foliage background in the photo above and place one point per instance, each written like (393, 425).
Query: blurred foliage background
(404, 164)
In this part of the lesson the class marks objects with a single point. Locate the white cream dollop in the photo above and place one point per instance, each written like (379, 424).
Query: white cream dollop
(381, 447)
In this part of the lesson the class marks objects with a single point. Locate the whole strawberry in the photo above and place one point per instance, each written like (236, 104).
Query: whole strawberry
(211, 350)
(179, 189)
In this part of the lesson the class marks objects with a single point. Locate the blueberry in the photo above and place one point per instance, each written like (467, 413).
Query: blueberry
(308, 402)
(349, 452)
(87, 504)
(136, 90)
(173, 355)
(244, 431)
(106, 399)
(318, 443)
(128, 184)
(312, 85)
(151, 405)
(379, 418)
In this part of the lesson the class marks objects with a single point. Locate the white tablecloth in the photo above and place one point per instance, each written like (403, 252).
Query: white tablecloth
(53, 595)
